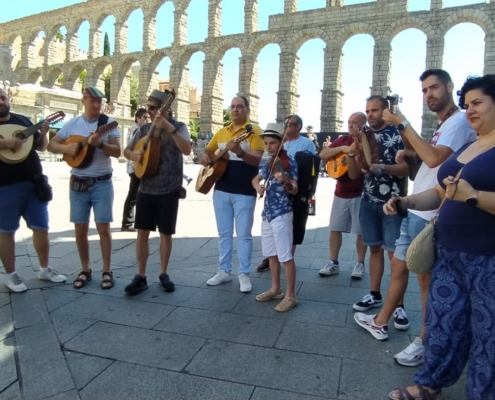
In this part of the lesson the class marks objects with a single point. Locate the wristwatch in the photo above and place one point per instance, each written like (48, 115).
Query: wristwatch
(351, 154)
(472, 200)
(403, 125)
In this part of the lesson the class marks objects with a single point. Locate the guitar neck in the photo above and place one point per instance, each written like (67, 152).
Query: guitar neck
(32, 129)
(219, 155)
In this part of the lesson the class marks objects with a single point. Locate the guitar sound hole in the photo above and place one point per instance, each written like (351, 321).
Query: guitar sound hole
(19, 135)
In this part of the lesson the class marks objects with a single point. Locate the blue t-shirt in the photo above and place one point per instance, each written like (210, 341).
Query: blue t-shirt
(461, 227)
(381, 189)
(101, 164)
(300, 144)
(277, 200)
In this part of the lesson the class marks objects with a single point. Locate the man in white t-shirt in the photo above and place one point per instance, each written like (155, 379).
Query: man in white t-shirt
(452, 132)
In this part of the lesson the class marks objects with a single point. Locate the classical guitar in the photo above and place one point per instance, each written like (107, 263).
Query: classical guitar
(26, 135)
(214, 171)
(85, 154)
(337, 166)
(150, 145)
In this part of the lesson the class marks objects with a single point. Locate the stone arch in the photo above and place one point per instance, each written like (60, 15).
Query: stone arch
(34, 77)
(126, 13)
(226, 45)
(72, 81)
(407, 23)
(187, 52)
(15, 42)
(121, 82)
(96, 78)
(261, 41)
(354, 29)
(304, 35)
(51, 77)
(156, 59)
(52, 44)
(477, 17)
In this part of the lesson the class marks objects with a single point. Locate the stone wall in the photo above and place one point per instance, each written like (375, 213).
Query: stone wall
(382, 19)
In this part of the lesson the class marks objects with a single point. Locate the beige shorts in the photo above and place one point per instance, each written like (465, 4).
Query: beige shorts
(345, 215)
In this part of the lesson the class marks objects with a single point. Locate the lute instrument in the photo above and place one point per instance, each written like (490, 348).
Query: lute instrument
(150, 145)
(337, 166)
(85, 153)
(8, 131)
(214, 171)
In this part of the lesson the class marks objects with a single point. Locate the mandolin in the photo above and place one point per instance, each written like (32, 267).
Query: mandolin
(10, 156)
(86, 152)
(214, 171)
(150, 145)
(337, 166)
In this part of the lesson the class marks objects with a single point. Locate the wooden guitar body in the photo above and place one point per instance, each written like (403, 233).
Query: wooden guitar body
(209, 175)
(337, 166)
(151, 157)
(15, 156)
(85, 155)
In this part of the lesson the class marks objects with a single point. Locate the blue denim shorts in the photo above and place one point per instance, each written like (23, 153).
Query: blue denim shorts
(378, 228)
(411, 227)
(99, 197)
(20, 200)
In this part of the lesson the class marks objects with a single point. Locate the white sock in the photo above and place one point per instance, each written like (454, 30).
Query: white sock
(12, 273)
(44, 268)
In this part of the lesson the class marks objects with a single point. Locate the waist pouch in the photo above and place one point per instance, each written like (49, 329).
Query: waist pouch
(44, 191)
(82, 184)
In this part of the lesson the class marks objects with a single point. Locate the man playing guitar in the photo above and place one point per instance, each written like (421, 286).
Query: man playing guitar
(344, 216)
(234, 197)
(158, 195)
(18, 199)
(91, 187)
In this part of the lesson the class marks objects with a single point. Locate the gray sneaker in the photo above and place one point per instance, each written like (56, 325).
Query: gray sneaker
(15, 283)
(329, 269)
(358, 271)
(412, 355)
(50, 274)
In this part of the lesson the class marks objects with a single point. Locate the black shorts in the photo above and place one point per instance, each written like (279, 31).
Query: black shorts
(157, 210)
(299, 221)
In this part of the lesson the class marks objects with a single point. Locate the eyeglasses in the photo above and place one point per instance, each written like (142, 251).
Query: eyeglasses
(238, 106)
(286, 124)
(152, 108)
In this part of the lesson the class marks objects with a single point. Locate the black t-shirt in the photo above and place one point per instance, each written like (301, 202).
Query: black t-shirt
(25, 170)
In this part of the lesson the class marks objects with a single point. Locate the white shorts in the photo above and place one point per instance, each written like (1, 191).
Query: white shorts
(276, 237)
(345, 215)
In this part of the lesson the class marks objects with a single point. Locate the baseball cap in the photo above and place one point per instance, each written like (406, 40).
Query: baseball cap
(93, 92)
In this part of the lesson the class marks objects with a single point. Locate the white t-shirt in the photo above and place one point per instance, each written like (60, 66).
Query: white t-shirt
(453, 133)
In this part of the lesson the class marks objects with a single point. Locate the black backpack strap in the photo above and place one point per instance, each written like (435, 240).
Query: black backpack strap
(102, 120)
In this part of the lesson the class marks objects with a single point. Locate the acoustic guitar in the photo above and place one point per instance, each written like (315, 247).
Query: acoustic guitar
(84, 155)
(150, 145)
(214, 171)
(337, 166)
(26, 135)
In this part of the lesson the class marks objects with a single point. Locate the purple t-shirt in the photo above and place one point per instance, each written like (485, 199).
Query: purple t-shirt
(460, 227)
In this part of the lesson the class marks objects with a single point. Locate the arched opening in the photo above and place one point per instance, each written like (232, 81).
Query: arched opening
(53, 79)
(34, 78)
(232, 17)
(311, 5)
(228, 75)
(83, 38)
(124, 97)
(57, 46)
(107, 28)
(159, 78)
(197, 21)
(268, 81)
(16, 52)
(195, 89)
(267, 8)
(408, 63)
(357, 74)
(37, 51)
(457, 50)
(310, 81)
(102, 75)
(135, 25)
(75, 80)
(165, 25)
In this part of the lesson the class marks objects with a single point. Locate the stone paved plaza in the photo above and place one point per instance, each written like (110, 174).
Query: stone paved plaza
(198, 342)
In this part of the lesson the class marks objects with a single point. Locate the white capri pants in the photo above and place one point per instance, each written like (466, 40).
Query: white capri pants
(277, 237)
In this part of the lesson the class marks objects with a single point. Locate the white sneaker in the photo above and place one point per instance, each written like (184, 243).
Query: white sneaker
(15, 283)
(358, 271)
(329, 269)
(220, 277)
(245, 283)
(379, 332)
(412, 355)
(50, 274)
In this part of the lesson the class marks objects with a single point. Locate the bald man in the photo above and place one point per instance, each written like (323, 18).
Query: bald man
(344, 216)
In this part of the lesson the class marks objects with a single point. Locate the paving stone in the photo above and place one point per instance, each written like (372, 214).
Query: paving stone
(7, 363)
(222, 326)
(85, 368)
(180, 276)
(69, 395)
(306, 311)
(275, 369)
(6, 322)
(29, 309)
(271, 394)
(135, 382)
(334, 294)
(12, 393)
(42, 364)
(135, 345)
(4, 299)
(55, 299)
(68, 326)
(118, 311)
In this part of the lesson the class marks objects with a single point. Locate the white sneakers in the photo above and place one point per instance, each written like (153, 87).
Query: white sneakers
(358, 271)
(412, 355)
(222, 277)
(329, 269)
(16, 284)
(49, 274)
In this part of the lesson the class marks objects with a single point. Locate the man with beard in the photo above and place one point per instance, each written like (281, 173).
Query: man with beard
(18, 199)
(452, 132)
(382, 182)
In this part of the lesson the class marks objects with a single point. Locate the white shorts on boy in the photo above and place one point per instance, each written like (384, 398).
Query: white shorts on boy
(277, 237)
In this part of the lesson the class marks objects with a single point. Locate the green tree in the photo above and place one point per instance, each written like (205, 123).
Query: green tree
(226, 117)
(107, 77)
(60, 79)
(134, 92)
(106, 45)
(82, 76)
(194, 128)
(60, 36)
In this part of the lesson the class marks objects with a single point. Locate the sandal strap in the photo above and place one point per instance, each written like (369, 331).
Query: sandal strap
(84, 273)
(426, 394)
(107, 273)
(404, 394)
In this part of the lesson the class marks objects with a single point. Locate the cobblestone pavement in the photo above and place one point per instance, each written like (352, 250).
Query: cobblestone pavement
(197, 342)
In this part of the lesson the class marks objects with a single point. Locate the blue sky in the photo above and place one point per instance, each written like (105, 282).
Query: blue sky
(408, 57)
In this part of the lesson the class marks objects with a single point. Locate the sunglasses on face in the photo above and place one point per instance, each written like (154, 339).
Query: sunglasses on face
(152, 108)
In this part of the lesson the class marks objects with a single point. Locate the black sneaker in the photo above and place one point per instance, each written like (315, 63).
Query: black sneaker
(137, 285)
(400, 319)
(167, 284)
(368, 302)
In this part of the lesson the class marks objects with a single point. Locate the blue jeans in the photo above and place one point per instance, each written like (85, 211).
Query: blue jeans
(239, 208)
(99, 197)
(411, 227)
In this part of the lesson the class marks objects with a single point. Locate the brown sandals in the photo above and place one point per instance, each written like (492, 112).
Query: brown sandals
(82, 279)
(424, 394)
(107, 281)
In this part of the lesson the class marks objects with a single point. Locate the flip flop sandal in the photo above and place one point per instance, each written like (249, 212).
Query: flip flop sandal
(424, 394)
(107, 283)
(270, 295)
(81, 281)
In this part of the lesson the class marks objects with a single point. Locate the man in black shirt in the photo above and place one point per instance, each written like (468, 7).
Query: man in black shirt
(18, 198)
